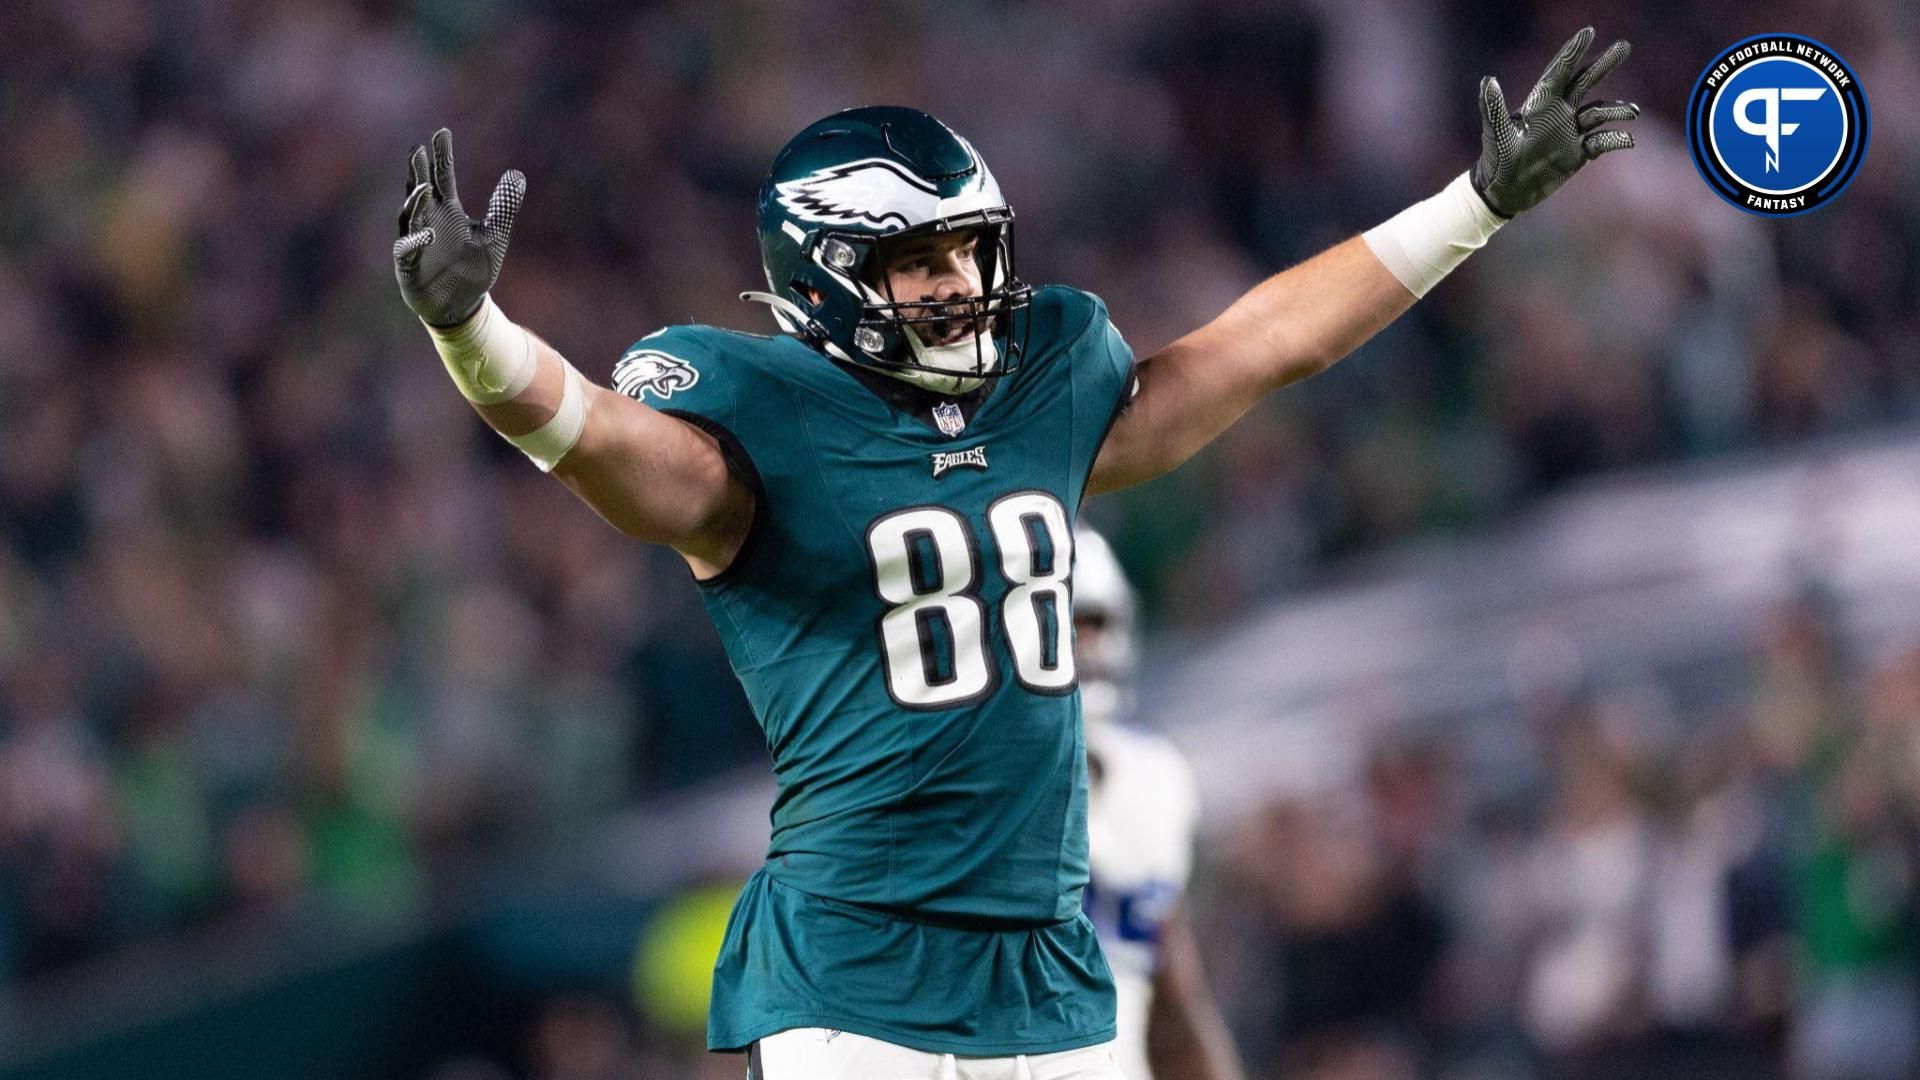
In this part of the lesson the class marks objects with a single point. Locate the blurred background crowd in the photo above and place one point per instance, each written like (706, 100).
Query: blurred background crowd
(1692, 881)
(283, 629)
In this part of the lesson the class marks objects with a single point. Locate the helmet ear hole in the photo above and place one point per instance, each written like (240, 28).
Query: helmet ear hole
(808, 295)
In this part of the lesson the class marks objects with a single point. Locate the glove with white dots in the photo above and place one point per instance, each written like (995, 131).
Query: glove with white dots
(444, 260)
(1525, 156)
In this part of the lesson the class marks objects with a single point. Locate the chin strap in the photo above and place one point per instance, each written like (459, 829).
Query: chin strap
(785, 312)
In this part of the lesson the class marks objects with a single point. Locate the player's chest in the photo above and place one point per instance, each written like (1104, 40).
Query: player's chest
(957, 549)
(971, 514)
(996, 484)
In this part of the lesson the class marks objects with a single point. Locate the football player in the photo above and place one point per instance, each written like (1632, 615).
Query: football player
(878, 505)
(1141, 805)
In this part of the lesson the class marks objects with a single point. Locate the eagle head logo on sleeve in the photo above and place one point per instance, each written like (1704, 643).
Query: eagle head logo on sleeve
(649, 371)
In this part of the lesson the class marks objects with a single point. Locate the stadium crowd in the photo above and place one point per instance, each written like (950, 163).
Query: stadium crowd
(1665, 879)
(280, 623)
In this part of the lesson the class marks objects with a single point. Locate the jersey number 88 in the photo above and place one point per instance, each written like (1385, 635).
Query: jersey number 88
(933, 637)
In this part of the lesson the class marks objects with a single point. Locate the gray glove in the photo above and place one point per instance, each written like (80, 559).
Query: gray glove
(445, 261)
(1526, 156)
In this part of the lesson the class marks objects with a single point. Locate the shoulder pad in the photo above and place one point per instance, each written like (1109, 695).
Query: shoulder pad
(1064, 313)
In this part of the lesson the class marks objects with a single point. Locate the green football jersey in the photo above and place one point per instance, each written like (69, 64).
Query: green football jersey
(899, 616)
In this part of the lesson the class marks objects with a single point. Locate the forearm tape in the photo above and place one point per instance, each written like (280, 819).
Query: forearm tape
(491, 360)
(1423, 243)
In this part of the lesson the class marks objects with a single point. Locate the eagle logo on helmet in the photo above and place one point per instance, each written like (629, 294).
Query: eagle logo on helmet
(649, 371)
(873, 192)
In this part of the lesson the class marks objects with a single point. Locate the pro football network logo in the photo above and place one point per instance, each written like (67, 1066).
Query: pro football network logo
(1778, 124)
(649, 371)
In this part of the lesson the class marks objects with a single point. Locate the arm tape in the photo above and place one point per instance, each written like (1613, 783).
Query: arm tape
(490, 358)
(549, 442)
(1423, 243)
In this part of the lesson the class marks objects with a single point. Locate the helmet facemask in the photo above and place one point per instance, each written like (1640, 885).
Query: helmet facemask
(914, 338)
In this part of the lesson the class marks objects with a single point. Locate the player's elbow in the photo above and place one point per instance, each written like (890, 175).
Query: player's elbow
(1132, 454)
(1294, 356)
(1306, 365)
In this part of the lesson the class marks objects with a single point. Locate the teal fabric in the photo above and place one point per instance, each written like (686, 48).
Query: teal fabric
(924, 877)
(793, 960)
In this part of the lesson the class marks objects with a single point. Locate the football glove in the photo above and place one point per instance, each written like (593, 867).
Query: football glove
(1525, 156)
(444, 260)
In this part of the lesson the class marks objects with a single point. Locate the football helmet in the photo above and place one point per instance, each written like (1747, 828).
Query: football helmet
(1101, 595)
(839, 196)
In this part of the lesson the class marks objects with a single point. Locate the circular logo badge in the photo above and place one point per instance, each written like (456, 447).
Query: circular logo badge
(1778, 124)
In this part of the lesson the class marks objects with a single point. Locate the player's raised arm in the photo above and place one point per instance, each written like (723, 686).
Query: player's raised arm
(1299, 322)
(650, 475)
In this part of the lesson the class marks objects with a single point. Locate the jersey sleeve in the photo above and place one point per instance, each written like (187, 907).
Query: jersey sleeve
(683, 372)
(678, 372)
(1103, 378)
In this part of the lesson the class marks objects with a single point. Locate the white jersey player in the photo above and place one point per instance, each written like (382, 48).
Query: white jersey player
(1141, 807)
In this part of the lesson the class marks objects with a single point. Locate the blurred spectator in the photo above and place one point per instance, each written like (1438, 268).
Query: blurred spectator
(1352, 944)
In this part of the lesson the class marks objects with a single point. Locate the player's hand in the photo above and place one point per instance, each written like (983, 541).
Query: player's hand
(446, 261)
(1525, 156)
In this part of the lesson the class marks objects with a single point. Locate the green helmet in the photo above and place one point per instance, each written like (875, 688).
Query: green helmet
(839, 195)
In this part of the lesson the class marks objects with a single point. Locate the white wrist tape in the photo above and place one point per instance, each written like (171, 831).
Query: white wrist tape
(490, 358)
(1423, 243)
(549, 442)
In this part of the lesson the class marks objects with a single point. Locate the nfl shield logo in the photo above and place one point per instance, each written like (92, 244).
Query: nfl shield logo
(946, 416)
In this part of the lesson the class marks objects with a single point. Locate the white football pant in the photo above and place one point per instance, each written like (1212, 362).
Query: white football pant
(824, 1054)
